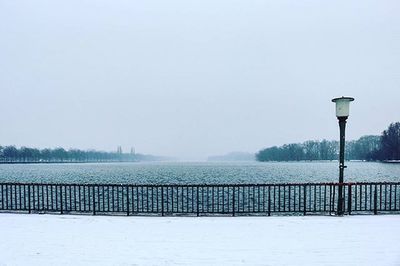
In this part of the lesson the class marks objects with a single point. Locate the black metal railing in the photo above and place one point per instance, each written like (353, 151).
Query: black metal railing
(238, 199)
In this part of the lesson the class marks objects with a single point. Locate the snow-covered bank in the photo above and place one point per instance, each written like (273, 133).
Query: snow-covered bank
(96, 240)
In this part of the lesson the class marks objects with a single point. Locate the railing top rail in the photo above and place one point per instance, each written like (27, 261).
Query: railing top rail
(202, 185)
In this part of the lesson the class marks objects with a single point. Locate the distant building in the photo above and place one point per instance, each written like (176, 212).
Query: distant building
(119, 150)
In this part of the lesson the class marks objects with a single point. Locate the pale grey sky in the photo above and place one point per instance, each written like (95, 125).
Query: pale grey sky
(194, 78)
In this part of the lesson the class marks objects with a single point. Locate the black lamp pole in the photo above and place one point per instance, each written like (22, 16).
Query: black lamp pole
(342, 113)
(342, 127)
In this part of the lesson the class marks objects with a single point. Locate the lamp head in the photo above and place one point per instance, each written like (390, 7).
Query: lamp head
(342, 106)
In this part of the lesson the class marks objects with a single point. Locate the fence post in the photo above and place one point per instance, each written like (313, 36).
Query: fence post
(304, 200)
(2, 196)
(94, 202)
(233, 201)
(61, 200)
(198, 203)
(269, 200)
(162, 201)
(349, 199)
(29, 198)
(127, 200)
(376, 201)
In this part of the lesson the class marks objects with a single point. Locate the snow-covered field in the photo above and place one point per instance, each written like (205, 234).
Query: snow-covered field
(96, 240)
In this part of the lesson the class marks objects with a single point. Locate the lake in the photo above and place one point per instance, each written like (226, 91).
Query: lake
(198, 173)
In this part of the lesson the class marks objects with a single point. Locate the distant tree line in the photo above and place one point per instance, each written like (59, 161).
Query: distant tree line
(389, 144)
(11, 154)
(370, 148)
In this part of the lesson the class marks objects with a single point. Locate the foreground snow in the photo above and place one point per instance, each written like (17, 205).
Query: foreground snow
(95, 240)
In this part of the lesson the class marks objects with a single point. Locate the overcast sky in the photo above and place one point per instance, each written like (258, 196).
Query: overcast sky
(194, 78)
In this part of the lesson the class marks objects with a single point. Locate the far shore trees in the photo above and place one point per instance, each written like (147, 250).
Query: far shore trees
(389, 144)
(368, 148)
(11, 154)
(310, 150)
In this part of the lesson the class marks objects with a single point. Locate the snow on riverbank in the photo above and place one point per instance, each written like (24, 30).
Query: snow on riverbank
(96, 240)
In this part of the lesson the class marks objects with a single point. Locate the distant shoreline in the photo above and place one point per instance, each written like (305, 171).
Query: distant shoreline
(391, 161)
(65, 162)
(225, 161)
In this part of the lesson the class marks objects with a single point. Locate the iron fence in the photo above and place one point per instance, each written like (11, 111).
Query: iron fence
(199, 200)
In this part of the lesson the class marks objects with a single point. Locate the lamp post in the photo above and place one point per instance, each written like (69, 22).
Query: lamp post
(342, 113)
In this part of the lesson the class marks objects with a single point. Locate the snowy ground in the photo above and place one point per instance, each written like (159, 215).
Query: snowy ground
(95, 240)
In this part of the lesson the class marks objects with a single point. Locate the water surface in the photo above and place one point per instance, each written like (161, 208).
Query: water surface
(197, 173)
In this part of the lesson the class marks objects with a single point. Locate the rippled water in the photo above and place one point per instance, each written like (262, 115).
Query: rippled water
(197, 173)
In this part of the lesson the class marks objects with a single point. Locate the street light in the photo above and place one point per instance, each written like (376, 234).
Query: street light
(342, 113)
